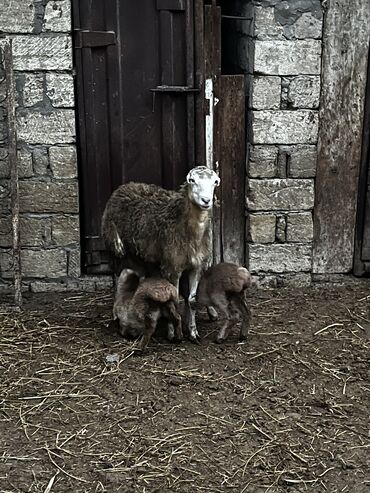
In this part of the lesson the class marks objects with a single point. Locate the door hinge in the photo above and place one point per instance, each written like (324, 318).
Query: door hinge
(93, 39)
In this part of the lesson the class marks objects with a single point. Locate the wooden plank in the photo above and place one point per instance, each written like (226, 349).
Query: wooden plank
(362, 238)
(12, 157)
(345, 51)
(232, 167)
(174, 108)
(212, 53)
(190, 98)
(199, 81)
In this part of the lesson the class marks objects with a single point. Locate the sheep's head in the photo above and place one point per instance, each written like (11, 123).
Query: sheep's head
(201, 184)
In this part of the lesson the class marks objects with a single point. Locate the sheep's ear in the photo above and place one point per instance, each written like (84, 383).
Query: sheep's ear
(189, 178)
(217, 181)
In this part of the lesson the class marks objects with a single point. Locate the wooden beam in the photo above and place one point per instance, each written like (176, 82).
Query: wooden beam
(345, 51)
(12, 150)
(231, 134)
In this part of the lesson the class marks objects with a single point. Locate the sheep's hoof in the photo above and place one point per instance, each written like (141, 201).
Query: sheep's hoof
(243, 337)
(220, 340)
(195, 339)
(212, 313)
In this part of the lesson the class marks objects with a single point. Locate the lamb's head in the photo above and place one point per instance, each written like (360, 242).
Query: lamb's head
(201, 184)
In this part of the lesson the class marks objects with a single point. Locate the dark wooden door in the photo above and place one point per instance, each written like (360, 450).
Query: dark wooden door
(362, 240)
(139, 97)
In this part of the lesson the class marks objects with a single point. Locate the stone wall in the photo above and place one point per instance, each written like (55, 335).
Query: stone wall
(49, 221)
(284, 106)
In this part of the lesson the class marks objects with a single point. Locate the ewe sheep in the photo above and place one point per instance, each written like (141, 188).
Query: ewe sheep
(222, 289)
(140, 303)
(170, 229)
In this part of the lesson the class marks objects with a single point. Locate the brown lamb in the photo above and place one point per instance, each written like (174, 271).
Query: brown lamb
(222, 290)
(140, 303)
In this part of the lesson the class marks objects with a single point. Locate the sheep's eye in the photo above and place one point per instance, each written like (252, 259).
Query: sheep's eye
(191, 180)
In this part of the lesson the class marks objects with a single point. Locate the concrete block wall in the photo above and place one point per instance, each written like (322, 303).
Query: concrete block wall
(49, 222)
(284, 103)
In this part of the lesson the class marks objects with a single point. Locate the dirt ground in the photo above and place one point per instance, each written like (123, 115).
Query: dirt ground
(286, 411)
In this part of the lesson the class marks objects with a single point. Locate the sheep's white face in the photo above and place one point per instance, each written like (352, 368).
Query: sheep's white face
(202, 182)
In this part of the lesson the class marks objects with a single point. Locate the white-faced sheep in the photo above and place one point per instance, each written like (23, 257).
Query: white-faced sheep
(170, 229)
(222, 290)
(140, 303)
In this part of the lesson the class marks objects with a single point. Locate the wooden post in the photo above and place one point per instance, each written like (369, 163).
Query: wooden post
(12, 156)
(345, 51)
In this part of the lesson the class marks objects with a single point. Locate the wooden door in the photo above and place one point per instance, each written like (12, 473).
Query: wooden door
(139, 97)
(362, 239)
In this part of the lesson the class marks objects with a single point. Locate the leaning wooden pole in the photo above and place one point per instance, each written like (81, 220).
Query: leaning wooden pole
(12, 156)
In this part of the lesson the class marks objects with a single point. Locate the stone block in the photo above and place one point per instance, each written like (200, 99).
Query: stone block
(275, 57)
(74, 263)
(57, 16)
(46, 197)
(285, 127)
(34, 231)
(17, 16)
(35, 263)
(65, 230)
(262, 228)
(302, 161)
(33, 89)
(24, 162)
(4, 196)
(304, 92)
(40, 161)
(57, 127)
(6, 262)
(280, 258)
(42, 52)
(281, 229)
(265, 24)
(263, 161)
(5, 232)
(280, 194)
(60, 90)
(63, 161)
(290, 280)
(266, 93)
(44, 263)
(299, 227)
(306, 26)
(48, 287)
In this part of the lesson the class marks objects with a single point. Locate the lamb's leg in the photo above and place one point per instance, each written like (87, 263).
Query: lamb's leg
(221, 303)
(151, 320)
(175, 280)
(175, 316)
(241, 306)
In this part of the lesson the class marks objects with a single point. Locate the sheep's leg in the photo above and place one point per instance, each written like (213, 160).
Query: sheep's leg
(150, 326)
(193, 277)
